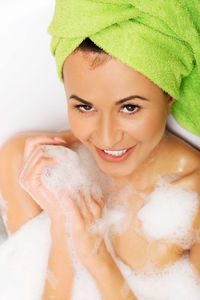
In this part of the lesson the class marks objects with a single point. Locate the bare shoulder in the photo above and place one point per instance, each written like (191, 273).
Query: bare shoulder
(185, 162)
(17, 142)
(188, 160)
(184, 156)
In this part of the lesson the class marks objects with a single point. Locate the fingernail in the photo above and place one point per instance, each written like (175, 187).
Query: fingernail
(58, 139)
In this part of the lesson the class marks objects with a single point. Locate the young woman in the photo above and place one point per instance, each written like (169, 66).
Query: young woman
(120, 116)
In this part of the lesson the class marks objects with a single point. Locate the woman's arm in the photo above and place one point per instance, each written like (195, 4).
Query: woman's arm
(18, 207)
(108, 277)
(60, 270)
(60, 273)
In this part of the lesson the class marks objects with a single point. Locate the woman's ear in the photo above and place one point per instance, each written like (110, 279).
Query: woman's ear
(170, 102)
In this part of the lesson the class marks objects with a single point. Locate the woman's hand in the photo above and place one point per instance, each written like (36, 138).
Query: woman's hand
(89, 245)
(35, 162)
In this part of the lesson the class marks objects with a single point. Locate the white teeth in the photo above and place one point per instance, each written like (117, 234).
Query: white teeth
(115, 153)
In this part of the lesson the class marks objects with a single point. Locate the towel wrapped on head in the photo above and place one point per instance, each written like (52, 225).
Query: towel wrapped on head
(158, 38)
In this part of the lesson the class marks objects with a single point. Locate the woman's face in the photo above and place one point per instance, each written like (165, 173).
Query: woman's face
(114, 108)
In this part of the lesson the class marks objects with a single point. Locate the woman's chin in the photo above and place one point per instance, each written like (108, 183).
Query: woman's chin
(116, 170)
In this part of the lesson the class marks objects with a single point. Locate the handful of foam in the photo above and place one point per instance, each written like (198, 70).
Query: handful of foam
(77, 171)
(73, 174)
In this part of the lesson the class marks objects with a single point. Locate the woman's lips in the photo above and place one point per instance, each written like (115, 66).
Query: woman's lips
(111, 158)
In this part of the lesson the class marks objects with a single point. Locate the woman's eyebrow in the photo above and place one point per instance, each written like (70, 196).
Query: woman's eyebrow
(129, 98)
(116, 103)
(81, 100)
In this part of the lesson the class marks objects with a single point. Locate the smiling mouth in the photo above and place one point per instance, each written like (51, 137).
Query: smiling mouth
(115, 155)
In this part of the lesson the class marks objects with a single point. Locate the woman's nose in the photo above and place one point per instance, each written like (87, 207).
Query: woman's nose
(108, 132)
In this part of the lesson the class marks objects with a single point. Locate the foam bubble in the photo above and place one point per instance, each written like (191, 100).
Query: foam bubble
(169, 213)
(116, 214)
(72, 174)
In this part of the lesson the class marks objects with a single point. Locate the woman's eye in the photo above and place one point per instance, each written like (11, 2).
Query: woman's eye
(84, 108)
(130, 108)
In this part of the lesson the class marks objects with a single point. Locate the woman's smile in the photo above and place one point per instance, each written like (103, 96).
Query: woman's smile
(115, 155)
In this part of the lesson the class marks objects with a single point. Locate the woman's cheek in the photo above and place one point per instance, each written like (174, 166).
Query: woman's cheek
(74, 123)
(80, 126)
(156, 125)
(147, 127)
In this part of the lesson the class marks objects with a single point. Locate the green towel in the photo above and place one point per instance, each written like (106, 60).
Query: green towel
(158, 38)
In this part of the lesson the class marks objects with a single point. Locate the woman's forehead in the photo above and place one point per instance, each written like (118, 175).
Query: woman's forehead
(113, 76)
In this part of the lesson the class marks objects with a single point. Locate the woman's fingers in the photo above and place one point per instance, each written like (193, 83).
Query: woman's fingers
(85, 209)
(97, 207)
(32, 143)
(31, 181)
(32, 161)
(101, 202)
(31, 176)
(77, 218)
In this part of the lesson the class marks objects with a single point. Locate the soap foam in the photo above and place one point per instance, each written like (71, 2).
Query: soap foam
(169, 213)
(24, 260)
(177, 281)
(116, 216)
(23, 264)
(71, 173)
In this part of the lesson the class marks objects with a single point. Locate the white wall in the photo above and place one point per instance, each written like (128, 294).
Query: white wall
(31, 96)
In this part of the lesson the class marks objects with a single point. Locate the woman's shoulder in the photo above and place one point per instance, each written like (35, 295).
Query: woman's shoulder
(186, 163)
(184, 156)
(17, 142)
